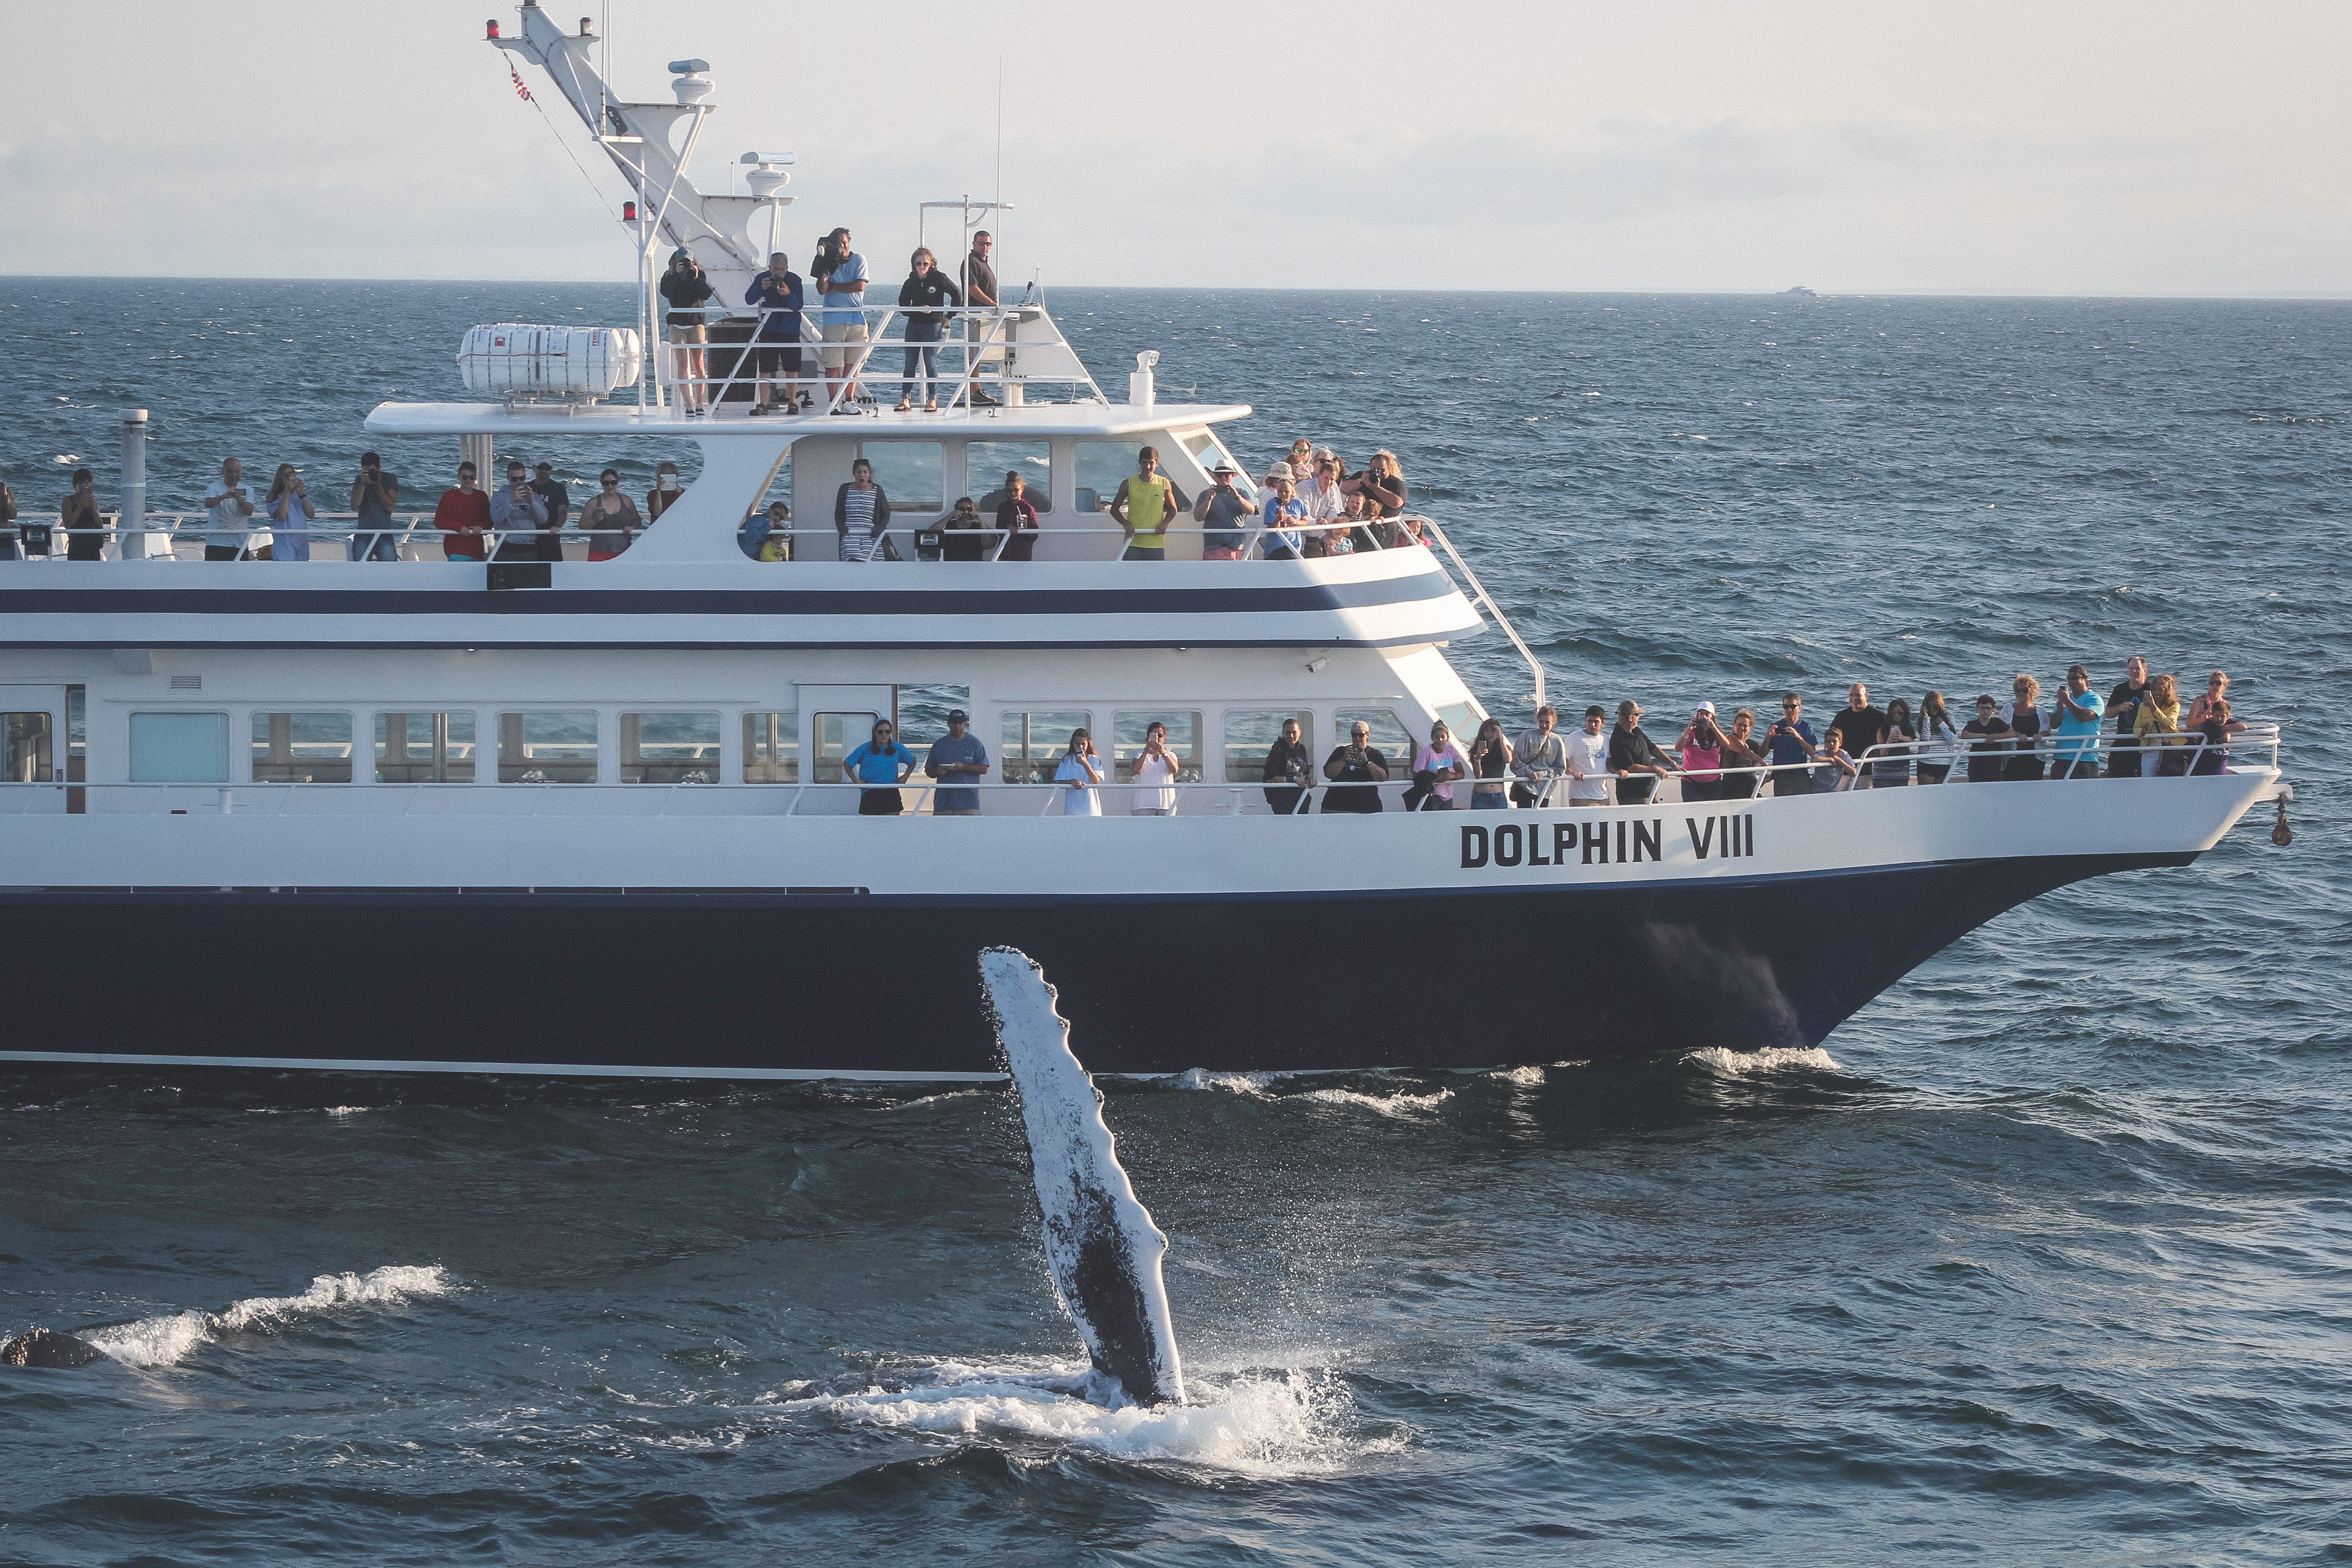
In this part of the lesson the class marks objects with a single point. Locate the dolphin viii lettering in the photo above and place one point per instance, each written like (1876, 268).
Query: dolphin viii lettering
(1628, 841)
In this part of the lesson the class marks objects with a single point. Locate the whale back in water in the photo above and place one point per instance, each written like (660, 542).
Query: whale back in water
(47, 1348)
(1101, 1246)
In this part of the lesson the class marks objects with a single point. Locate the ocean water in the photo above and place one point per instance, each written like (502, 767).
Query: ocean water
(2048, 1253)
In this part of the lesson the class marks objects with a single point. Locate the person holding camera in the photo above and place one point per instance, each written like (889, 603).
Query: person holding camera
(1436, 767)
(1154, 775)
(1222, 509)
(687, 288)
(373, 497)
(1792, 741)
(84, 524)
(1360, 766)
(1286, 770)
(231, 505)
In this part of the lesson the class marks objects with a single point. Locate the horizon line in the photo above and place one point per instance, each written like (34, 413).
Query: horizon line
(1978, 292)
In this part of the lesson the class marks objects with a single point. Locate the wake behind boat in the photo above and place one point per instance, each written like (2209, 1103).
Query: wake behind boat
(631, 780)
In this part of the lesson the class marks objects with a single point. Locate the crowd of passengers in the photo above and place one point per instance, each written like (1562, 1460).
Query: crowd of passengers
(2146, 728)
(530, 516)
(1309, 505)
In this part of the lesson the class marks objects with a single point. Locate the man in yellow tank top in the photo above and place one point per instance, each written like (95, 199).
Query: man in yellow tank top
(1143, 506)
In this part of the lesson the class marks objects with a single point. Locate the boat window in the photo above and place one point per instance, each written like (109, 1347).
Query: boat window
(1461, 722)
(832, 737)
(425, 748)
(1102, 464)
(1249, 736)
(1389, 733)
(989, 461)
(670, 748)
(771, 745)
(923, 710)
(174, 748)
(908, 473)
(302, 748)
(1032, 744)
(1184, 742)
(25, 748)
(548, 747)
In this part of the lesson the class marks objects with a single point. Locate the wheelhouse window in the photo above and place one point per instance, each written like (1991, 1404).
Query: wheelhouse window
(556, 746)
(1389, 733)
(771, 746)
(1184, 742)
(302, 748)
(1032, 743)
(425, 748)
(670, 748)
(1249, 736)
(1461, 720)
(178, 748)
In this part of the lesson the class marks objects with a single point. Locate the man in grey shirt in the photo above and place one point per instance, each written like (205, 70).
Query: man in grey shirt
(1539, 758)
(956, 755)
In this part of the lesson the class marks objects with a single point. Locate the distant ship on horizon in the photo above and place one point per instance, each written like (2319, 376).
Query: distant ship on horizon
(1801, 292)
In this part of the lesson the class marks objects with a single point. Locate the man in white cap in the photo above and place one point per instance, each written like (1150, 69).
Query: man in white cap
(1222, 509)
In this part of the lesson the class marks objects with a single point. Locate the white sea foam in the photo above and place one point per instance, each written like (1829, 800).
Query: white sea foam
(165, 1340)
(1523, 1078)
(1263, 1085)
(1397, 1105)
(347, 1109)
(1771, 1059)
(1294, 1423)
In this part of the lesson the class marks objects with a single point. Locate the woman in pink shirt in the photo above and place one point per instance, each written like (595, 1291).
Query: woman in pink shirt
(1702, 749)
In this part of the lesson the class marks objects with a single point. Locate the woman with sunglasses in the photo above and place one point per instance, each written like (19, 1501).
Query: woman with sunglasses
(610, 518)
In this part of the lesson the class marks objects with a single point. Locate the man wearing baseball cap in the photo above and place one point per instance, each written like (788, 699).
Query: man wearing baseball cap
(958, 754)
(1222, 508)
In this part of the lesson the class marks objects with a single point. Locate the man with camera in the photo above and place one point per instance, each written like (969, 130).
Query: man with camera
(1222, 508)
(374, 497)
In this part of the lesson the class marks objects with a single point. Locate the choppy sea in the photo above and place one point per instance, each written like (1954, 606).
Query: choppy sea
(2047, 1255)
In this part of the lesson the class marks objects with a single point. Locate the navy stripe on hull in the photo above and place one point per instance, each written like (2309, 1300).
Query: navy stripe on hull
(1237, 600)
(779, 985)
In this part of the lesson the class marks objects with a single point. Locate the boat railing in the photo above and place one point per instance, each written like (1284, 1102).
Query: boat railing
(2253, 749)
(984, 353)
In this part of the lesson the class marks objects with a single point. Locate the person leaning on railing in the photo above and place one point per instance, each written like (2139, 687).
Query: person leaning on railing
(610, 518)
(1539, 759)
(2027, 723)
(1288, 769)
(514, 509)
(963, 535)
(1635, 758)
(1988, 738)
(460, 517)
(1588, 759)
(923, 296)
(1356, 772)
(230, 504)
(374, 495)
(1016, 519)
(980, 291)
(1144, 504)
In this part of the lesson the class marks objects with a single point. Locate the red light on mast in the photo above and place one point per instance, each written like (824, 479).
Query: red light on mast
(493, 30)
(628, 212)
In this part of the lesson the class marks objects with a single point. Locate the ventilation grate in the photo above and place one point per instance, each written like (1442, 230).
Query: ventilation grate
(187, 683)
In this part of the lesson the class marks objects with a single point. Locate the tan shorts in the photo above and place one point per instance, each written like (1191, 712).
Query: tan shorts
(842, 333)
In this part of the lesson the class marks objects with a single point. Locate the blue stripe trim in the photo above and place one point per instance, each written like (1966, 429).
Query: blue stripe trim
(1310, 597)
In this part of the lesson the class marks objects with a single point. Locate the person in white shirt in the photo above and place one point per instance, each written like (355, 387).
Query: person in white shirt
(1588, 759)
(231, 505)
(1539, 758)
(1154, 772)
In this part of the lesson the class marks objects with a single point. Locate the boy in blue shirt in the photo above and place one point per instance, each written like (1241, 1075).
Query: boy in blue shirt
(881, 760)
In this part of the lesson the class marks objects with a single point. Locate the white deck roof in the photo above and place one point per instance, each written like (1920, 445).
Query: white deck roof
(1111, 419)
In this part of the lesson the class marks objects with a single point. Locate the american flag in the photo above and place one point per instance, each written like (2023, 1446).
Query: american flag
(521, 91)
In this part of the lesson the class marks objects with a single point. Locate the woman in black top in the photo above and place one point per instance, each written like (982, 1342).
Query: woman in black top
(963, 535)
(85, 527)
(1288, 769)
(687, 289)
(2025, 723)
(1742, 747)
(1490, 763)
(1892, 766)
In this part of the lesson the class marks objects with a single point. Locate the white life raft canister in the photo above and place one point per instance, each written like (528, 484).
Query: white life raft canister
(514, 359)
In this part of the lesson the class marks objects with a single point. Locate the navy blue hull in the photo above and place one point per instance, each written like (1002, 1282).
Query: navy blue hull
(755, 983)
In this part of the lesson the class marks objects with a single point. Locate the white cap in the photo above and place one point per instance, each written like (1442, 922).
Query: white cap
(1707, 707)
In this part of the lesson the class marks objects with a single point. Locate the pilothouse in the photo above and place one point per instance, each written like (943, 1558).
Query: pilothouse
(675, 792)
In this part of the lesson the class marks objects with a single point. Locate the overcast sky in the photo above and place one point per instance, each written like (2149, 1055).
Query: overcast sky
(2075, 148)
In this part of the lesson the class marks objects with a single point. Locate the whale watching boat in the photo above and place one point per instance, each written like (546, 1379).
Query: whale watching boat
(383, 809)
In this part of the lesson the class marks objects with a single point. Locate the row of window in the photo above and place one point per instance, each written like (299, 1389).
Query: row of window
(682, 746)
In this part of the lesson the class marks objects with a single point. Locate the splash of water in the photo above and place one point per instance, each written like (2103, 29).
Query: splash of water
(1101, 1247)
(165, 1340)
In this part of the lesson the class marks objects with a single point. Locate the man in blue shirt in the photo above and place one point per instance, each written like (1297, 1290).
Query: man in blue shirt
(2080, 711)
(957, 755)
(881, 760)
(845, 320)
(1793, 742)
